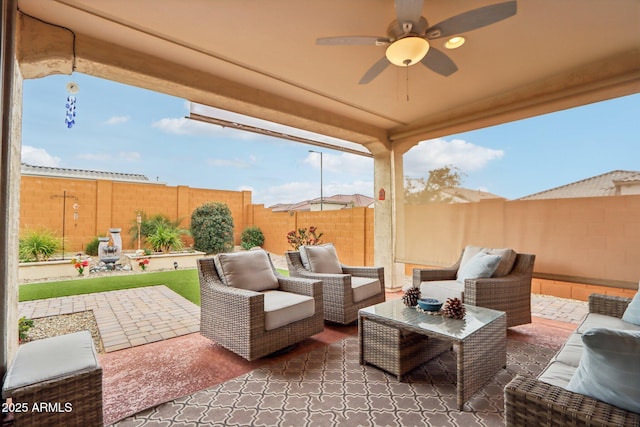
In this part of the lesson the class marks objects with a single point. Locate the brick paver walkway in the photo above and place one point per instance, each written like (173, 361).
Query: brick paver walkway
(128, 317)
(132, 317)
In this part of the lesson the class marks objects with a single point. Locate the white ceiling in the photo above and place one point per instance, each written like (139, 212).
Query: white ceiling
(548, 50)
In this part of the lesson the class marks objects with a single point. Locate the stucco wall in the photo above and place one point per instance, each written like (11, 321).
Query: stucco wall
(584, 239)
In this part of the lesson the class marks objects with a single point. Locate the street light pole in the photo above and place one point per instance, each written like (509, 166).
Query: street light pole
(321, 198)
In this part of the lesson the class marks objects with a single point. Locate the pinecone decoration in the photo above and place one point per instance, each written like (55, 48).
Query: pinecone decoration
(453, 308)
(411, 296)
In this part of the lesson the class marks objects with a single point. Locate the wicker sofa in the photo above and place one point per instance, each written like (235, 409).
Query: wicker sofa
(546, 401)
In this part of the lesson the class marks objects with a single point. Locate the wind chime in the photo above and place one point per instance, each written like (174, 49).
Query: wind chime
(70, 119)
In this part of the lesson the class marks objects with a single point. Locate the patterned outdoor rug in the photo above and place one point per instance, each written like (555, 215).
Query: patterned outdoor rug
(328, 387)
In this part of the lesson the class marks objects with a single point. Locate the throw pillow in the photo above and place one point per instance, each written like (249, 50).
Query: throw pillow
(632, 313)
(249, 270)
(320, 258)
(508, 258)
(506, 263)
(481, 265)
(468, 253)
(609, 370)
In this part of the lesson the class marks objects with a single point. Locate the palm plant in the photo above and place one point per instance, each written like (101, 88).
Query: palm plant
(165, 239)
(150, 225)
(38, 245)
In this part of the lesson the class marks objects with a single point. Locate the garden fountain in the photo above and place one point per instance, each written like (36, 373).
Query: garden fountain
(110, 254)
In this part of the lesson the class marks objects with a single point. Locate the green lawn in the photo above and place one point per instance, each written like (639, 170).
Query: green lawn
(183, 282)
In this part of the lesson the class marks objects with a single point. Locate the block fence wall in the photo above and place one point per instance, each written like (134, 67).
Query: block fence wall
(350, 230)
(110, 204)
(568, 236)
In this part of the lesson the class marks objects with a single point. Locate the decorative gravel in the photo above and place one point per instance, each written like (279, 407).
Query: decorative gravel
(51, 326)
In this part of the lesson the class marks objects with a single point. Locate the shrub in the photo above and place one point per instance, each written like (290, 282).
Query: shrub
(251, 237)
(24, 325)
(38, 245)
(91, 248)
(212, 228)
(149, 227)
(165, 239)
(303, 237)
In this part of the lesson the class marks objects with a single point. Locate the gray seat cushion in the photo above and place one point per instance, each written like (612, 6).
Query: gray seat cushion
(282, 308)
(558, 374)
(595, 320)
(364, 287)
(50, 359)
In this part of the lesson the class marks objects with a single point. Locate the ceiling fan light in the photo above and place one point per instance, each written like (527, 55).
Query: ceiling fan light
(407, 51)
(455, 42)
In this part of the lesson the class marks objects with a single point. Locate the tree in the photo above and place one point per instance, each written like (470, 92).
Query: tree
(212, 228)
(419, 190)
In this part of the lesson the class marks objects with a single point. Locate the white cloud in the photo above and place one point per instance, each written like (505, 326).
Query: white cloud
(233, 163)
(436, 153)
(117, 120)
(352, 164)
(39, 157)
(129, 156)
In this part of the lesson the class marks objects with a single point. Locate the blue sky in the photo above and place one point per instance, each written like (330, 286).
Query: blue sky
(125, 129)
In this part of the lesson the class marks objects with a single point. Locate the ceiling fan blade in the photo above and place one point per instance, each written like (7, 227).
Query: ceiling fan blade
(408, 11)
(353, 40)
(439, 62)
(473, 19)
(374, 71)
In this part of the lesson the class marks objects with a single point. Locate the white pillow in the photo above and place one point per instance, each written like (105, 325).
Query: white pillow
(481, 265)
(506, 263)
(609, 370)
(632, 313)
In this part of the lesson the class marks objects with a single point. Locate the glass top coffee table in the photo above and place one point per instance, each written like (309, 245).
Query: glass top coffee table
(398, 338)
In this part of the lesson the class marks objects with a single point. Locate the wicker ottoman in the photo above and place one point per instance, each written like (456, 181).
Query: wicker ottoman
(397, 351)
(56, 381)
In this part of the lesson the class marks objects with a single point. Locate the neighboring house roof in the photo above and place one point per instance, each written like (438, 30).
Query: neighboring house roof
(27, 169)
(607, 184)
(347, 200)
(462, 195)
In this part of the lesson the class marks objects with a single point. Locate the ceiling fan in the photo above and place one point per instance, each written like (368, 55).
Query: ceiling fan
(408, 36)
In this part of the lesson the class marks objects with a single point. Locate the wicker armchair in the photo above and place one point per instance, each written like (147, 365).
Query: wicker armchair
(510, 293)
(235, 318)
(337, 291)
(530, 402)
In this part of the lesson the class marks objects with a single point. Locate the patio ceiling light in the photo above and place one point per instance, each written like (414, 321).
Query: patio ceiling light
(455, 42)
(407, 51)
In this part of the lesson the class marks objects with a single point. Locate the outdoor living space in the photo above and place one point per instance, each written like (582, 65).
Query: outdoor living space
(495, 141)
(192, 378)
